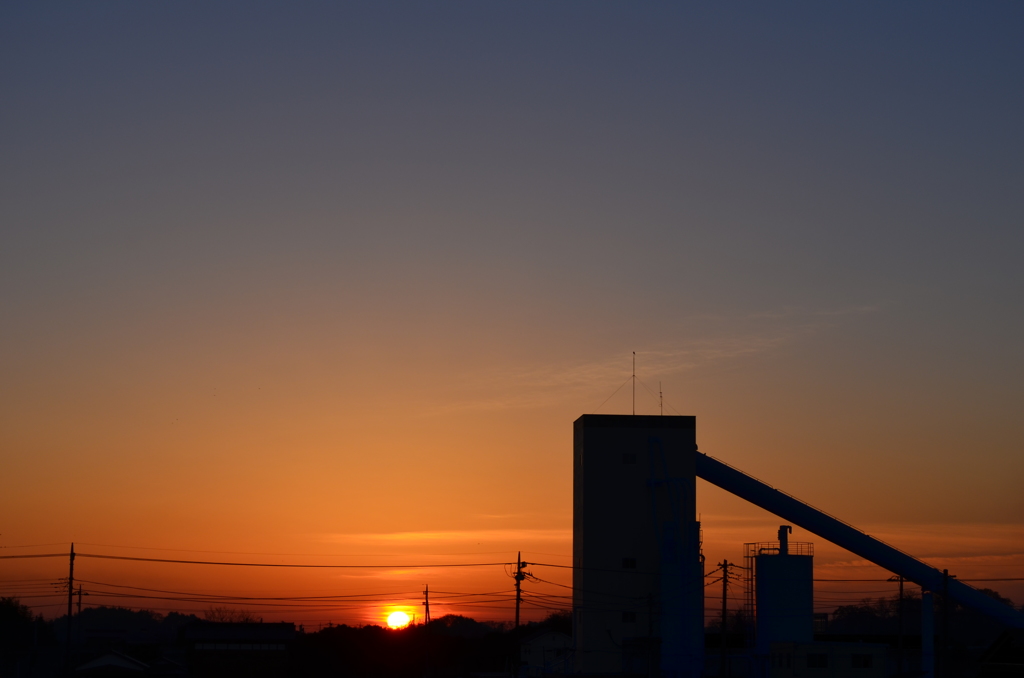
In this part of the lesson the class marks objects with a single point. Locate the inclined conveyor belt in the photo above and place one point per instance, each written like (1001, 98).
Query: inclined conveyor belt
(850, 538)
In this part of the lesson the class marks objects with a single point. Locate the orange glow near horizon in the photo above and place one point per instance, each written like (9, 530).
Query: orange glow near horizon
(441, 532)
(484, 592)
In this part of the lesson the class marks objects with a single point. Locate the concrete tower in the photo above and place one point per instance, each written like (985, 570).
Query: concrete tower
(638, 594)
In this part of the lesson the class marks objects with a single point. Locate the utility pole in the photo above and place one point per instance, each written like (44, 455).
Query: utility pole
(634, 383)
(426, 638)
(71, 595)
(944, 650)
(723, 668)
(899, 629)
(520, 576)
(899, 637)
(661, 400)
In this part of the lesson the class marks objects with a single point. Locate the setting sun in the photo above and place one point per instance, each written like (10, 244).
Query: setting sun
(397, 620)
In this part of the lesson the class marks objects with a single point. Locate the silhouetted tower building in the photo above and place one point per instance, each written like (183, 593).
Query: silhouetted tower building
(638, 594)
(783, 590)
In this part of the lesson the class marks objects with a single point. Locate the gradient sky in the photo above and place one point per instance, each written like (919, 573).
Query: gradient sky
(312, 278)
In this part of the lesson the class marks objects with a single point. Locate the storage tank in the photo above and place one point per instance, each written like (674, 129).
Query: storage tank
(783, 590)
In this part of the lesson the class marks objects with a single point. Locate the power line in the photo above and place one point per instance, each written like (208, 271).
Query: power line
(542, 553)
(871, 580)
(265, 553)
(576, 588)
(354, 598)
(224, 596)
(303, 565)
(238, 564)
(312, 605)
(595, 569)
(1003, 579)
(958, 579)
(455, 594)
(394, 566)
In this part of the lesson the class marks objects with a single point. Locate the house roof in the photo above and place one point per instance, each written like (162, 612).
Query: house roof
(114, 660)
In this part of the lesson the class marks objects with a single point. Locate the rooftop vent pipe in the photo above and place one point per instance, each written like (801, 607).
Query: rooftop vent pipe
(784, 532)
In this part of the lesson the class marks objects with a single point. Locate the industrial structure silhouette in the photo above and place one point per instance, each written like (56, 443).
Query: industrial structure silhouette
(638, 570)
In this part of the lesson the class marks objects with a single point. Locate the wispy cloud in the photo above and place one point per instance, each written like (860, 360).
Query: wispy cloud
(495, 536)
(725, 338)
(788, 312)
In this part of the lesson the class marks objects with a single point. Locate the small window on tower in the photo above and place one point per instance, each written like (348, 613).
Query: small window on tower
(629, 457)
(629, 563)
(629, 617)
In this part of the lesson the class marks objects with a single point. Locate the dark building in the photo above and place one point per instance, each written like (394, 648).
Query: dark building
(638, 594)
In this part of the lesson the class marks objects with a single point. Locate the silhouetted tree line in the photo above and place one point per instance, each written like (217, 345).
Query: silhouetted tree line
(25, 640)
(20, 629)
(452, 645)
(881, 617)
(878, 619)
(961, 634)
(226, 614)
(138, 627)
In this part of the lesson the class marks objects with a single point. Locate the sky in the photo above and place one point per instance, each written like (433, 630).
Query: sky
(330, 282)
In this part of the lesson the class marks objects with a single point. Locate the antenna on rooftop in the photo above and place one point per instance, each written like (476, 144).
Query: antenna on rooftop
(634, 383)
(661, 400)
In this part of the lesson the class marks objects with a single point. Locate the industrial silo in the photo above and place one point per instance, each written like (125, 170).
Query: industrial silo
(783, 576)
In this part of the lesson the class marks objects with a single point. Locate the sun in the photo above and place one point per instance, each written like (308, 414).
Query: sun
(397, 620)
